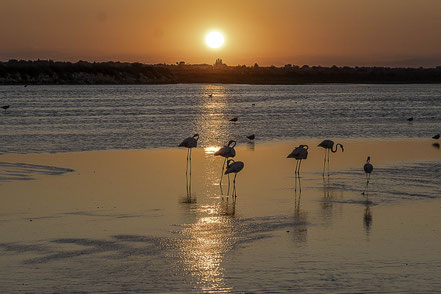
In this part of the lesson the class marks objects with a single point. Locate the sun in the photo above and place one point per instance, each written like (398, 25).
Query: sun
(214, 40)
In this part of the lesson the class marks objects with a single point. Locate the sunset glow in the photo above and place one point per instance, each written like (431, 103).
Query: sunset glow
(214, 40)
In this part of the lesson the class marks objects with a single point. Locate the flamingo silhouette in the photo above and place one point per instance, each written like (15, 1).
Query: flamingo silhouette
(329, 145)
(368, 167)
(189, 143)
(299, 153)
(227, 152)
(234, 167)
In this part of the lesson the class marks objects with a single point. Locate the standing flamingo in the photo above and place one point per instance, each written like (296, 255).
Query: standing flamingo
(189, 143)
(234, 167)
(299, 153)
(227, 152)
(368, 167)
(328, 145)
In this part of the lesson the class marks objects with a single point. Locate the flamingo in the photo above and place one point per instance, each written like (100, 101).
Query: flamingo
(5, 107)
(436, 137)
(328, 145)
(251, 137)
(228, 152)
(299, 153)
(234, 167)
(368, 167)
(189, 143)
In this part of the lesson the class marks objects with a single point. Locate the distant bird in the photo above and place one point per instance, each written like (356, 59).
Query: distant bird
(234, 167)
(436, 137)
(210, 95)
(227, 152)
(234, 119)
(5, 107)
(410, 119)
(368, 168)
(189, 143)
(25, 86)
(328, 145)
(254, 104)
(251, 137)
(299, 153)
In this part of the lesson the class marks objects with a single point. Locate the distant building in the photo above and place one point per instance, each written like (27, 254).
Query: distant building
(219, 63)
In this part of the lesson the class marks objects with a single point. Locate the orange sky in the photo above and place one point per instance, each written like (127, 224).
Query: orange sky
(315, 32)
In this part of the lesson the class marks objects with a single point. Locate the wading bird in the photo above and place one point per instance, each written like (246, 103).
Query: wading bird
(5, 107)
(410, 119)
(299, 153)
(234, 167)
(251, 137)
(189, 143)
(368, 167)
(227, 152)
(329, 145)
(436, 137)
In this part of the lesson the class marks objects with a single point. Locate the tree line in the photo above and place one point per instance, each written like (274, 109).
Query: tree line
(41, 72)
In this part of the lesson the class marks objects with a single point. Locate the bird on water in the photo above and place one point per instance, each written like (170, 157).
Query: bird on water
(410, 119)
(368, 168)
(436, 137)
(234, 119)
(251, 137)
(234, 167)
(328, 145)
(299, 153)
(5, 107)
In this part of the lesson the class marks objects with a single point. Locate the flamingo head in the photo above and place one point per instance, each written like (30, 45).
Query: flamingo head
(229, 161)
(231, 142)
(196, 136)
(368, 159)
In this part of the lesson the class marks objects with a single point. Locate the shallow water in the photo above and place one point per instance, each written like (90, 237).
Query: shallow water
(121, 221)
(85, 118)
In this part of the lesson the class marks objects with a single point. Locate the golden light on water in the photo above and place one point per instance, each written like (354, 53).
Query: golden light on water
(211, 149)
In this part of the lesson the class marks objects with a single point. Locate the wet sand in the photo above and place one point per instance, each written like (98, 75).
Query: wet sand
(122, 220)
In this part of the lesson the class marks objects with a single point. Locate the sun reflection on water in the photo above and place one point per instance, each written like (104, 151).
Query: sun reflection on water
(211, 233)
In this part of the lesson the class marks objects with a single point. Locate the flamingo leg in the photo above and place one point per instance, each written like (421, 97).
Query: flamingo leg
(367, 185)
(324, 162)
(300, 164)
(329, 153)
(228, 189)
(222, 172)
(234, 186)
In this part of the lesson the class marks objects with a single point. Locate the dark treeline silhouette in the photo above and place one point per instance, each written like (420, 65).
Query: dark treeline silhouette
(82, 72)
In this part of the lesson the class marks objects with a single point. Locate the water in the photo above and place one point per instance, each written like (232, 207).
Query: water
(84, 118)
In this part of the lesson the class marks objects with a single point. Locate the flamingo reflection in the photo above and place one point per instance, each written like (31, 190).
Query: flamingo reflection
(328, 146)
(367, 218)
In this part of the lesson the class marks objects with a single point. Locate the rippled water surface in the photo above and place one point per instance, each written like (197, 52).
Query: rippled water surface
(80, 118)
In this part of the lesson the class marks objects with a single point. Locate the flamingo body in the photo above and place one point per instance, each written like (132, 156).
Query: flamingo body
(190, 142)
(299, 153)
(227, 151)
(368, 167)
(234, 167)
